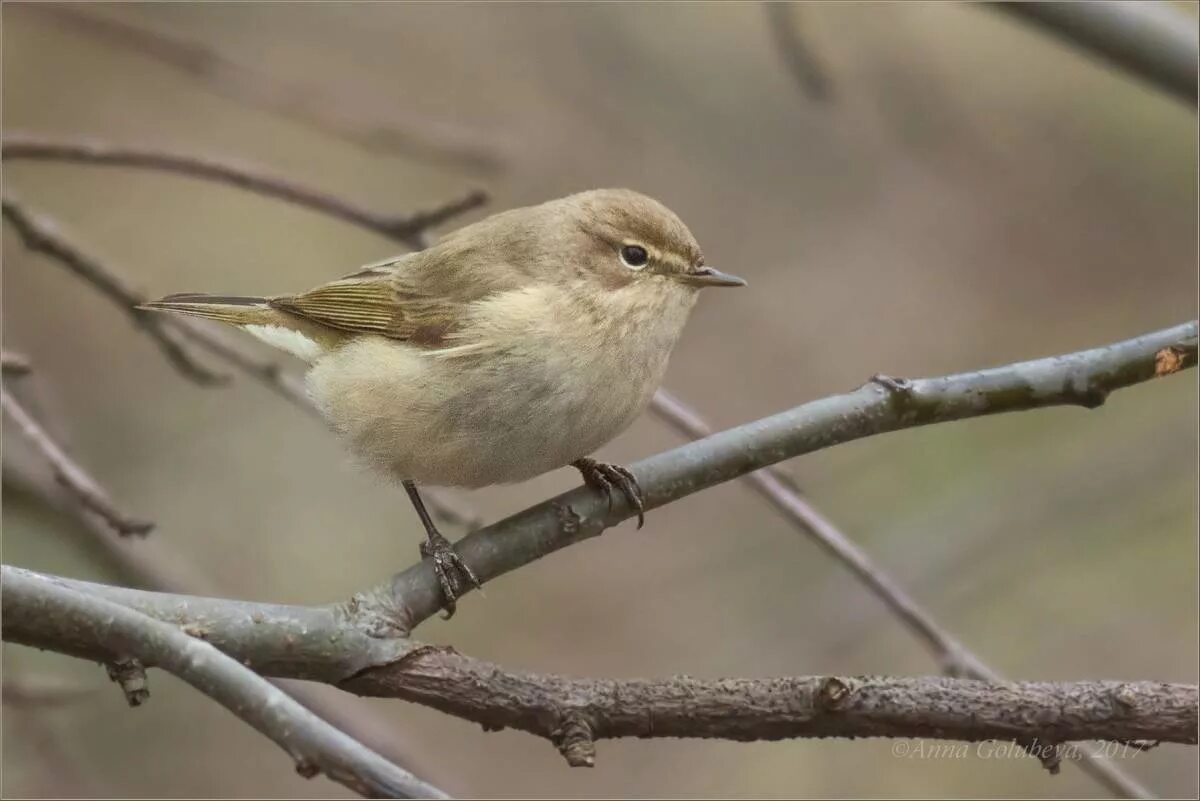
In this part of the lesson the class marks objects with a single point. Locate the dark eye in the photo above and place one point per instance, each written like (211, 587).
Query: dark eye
(634, 256)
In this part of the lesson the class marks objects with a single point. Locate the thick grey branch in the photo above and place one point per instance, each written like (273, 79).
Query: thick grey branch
(123, 632)
(156, 566)
(332, 646)
(1083, 379)
(1155, 41)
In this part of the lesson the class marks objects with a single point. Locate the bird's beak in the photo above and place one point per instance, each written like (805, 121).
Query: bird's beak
(707, 276)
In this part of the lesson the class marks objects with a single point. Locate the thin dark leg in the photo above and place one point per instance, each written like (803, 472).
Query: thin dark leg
(447, 564)
(611, 478)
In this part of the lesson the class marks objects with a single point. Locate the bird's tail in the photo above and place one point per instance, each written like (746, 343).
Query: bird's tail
(230, 309)
(256, 316)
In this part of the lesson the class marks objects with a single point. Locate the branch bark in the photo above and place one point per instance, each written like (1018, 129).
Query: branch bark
(328, 645)
(123, 632)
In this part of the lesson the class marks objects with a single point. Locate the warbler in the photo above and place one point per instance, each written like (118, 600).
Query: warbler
(514, 346)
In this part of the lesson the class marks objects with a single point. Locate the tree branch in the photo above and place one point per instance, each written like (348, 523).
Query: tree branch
(354, 645)
(1154, 41)
(124, 632)
(407, 228)
(70, 473)
(330, 645)
(155, 566)
(1084, 378)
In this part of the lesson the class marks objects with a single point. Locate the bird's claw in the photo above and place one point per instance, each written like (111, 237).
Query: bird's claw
(610, 478)
(449, 568)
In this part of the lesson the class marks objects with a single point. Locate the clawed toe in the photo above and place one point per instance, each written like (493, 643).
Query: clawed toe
(611, 478)
(452, 572)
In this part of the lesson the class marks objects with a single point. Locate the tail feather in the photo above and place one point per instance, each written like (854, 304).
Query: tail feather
(231, 309)
(256, 316)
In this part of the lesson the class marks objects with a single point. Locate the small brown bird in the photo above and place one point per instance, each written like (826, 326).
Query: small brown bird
(514, 346)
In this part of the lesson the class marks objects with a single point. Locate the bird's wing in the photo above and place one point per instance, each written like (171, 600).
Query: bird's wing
(418, 298)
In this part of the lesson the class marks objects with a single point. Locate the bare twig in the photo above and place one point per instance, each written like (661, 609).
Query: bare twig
(86, 490)
(409, 229)
(783, 18)
(313, 744)
(130, 676)
(1154, 41)
(42, 235)
(377, 124)
(573, 713)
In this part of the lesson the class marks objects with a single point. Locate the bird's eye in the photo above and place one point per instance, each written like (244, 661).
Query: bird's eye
(635, 257)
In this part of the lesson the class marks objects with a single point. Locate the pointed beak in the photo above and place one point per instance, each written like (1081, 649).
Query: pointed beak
(707, 276)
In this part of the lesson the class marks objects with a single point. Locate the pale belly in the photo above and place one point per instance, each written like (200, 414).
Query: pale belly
(480, 420)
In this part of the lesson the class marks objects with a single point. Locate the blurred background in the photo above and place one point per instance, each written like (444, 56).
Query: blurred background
(970, 192)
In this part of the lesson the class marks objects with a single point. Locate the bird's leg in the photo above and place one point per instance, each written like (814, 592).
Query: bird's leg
(447, 564)
(612, 478)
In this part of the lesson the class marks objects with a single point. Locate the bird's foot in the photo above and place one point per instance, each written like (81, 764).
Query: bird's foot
(452, 572)
(612, 478)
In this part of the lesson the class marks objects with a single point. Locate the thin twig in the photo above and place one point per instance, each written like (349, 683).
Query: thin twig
(86, 490)
(377, 124)
(42, 235)
(313, 744)
(783, 19)
(574, 713)
(953, 657)
(409, 229)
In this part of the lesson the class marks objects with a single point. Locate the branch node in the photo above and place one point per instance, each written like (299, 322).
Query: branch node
(568, 519)
(131, 675)
(833, 693)
(575, 741)
(898, 390)
(1174, 358)
(307, 768)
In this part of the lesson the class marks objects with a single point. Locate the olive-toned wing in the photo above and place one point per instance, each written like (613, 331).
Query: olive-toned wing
(371, 302)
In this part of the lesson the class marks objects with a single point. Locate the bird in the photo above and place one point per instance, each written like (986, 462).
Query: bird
(512, 346)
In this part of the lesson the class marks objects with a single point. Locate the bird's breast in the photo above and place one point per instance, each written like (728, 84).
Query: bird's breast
(540, 380)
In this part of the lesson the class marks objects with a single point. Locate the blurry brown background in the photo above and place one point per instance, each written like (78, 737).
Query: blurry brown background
(975, 193)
